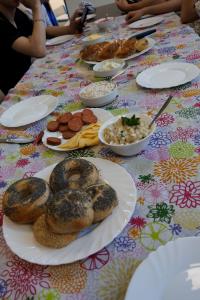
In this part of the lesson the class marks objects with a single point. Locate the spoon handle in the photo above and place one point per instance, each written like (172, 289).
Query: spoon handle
(161, 110)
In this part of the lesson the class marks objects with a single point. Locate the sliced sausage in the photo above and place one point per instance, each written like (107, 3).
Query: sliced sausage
(53, 141)
(63, 128)
(87, 111)
(75, 124)
(53, 126)
(77, 114)
(68, 134)
(89, 119)
(64, 119)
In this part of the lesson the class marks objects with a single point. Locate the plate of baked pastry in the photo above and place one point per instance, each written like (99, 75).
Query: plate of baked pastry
(68, 211)
(125, 49)
(79, 129)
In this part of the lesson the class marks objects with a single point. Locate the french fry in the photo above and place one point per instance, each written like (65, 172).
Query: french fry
(86, 137)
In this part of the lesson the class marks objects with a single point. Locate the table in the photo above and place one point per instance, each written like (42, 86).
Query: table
(166, 173)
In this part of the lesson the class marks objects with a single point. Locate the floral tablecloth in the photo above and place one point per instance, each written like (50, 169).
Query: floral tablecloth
(166, 173)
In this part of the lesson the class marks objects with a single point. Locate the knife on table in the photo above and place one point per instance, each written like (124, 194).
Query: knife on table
(141, 35)
(21, 140)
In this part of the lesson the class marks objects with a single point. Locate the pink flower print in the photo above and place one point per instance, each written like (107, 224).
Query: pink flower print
(186, 194)
(22, 278)
(157, 154)
(165, 119)
(182, 134)
(138, 222)
(96, 261)
(197, 150)
(156, 192)
(22, 163)
(194, 55)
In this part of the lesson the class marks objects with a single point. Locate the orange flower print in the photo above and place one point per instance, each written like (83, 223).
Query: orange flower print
(28, 150)
(134, 233)
(70, 278)
(176, 171)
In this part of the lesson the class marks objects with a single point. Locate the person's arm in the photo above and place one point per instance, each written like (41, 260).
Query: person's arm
(188, 12)
(73, 28)
(168, 6)
(125, 6)
(35, 44)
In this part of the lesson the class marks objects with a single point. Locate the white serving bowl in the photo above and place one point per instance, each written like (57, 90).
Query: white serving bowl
(89, 40)
(98, 101)
(105, 23)
(98, 68)
(128, 149)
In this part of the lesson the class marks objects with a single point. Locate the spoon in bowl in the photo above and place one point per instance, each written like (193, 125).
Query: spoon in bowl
(161, 110)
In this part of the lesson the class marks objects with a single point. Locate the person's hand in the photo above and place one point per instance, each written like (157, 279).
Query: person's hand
(122, 5)
(134, 16)
(32, 4)
(75, 22)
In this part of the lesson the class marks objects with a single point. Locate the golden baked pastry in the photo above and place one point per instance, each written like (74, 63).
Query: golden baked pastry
(47, 238)
(25, 200)
(73, 173)
(116, 48)
(141, 45)
(104, 200)
(69, 211)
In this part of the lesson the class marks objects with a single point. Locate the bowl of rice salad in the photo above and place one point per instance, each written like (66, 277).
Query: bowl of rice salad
(127, 135)
(99, 93)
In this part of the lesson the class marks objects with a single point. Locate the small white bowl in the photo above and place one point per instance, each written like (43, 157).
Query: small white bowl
(105, 23)
(98, 72)
(128, 149)
(88, 40)
(95, 101)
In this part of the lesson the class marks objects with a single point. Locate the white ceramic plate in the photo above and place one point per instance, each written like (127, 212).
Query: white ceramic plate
(62, 18)
(150, 46)
(172, 272)
(21, 241)
(144, 23)
(59, 40)
(28, 111)
(101, 114)
(167, 75)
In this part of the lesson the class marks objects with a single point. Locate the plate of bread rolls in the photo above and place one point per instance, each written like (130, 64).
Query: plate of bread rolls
(124, 49)
(68, 211)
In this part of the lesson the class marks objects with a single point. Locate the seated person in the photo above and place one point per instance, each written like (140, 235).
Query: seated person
(190, 11)
(126, 6)
(21, 39)
(150, 7)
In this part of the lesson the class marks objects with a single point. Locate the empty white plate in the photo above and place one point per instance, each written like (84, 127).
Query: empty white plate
(28, 111)
(59, 40)
(144, 23)
(172, 272)
(21, 241)
(167, 75)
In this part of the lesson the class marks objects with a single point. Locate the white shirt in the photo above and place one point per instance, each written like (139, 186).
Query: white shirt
(28, 12)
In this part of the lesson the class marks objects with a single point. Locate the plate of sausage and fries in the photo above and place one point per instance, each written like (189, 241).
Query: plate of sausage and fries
(73, 130)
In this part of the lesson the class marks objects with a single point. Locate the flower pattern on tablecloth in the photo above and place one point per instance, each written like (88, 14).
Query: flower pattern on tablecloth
(166, 173)
(22, 278)
(68, 279)
(119, 272)
(186, 194)
(176, 171)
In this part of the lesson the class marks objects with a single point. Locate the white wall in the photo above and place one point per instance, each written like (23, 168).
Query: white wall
(74, 3)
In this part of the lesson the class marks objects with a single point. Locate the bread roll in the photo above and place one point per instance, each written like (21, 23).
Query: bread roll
(73, 174)
(69, 211)
(104, 200)
(25, 200)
